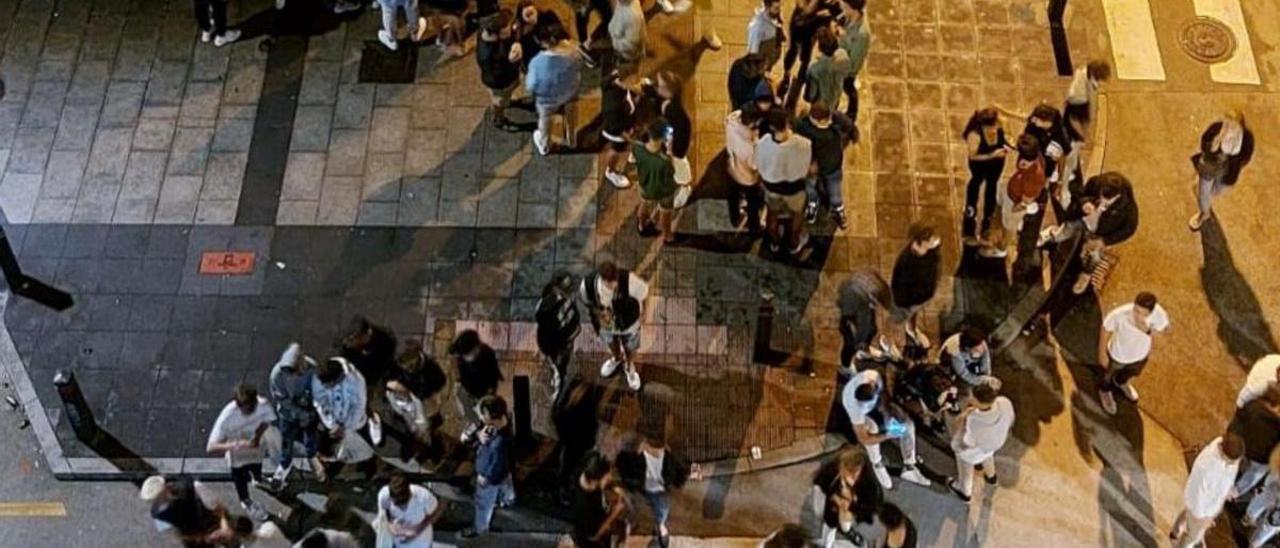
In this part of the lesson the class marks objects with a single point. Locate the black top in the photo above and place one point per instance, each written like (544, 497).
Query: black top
(481, 376)
(741, 89)
(496, 69)
(1259, 427)
(915, 277)
(617, 108)
(1234, 163)
(187, 514)
(589, 514)
(376, 358)
(425, 381)
(626, 309)
(681, 127)
(987, 148)
(1119, 222)
(868, 497)
(828, 143)
(558, 321)
(632, 469)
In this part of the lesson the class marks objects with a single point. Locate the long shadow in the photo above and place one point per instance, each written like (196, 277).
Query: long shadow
(1241, 323)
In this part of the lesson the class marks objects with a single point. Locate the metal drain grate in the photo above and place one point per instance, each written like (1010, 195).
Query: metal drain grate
(1207, 40)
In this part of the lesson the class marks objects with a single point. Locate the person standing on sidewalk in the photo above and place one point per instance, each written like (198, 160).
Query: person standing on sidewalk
(553, 77)
(666, 91)
(764, 33)
(987, 151)
(1226, 146)
(1124, 345)
(656, 173)
(408, 513)
(582, 17)
(1258, 424)
(825, 78)
(600, 507)
(745, 75)
(615, 297)
(1264, 374)
(558, 325)
(413, 19)
(211, 17)
(850, 497)
(243, 433)
(969, 356)
(1077, 115)
(983, 429)
(478, 372)
(875, 421)
(862, 299)
(1263, 512)
(1209, 485)
(494, 487)
(915, 278)
(370, 348)
(1023, 191)
(746, 196)
(618, 94)
(341, 401)
(829, 133)
(785, 161)
(649, 468)
(807, 19)
(499, 65)
(855, 41)
(291, 390)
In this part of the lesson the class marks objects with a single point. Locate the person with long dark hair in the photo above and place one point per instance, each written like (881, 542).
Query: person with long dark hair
(1225, 148)
(988, 149)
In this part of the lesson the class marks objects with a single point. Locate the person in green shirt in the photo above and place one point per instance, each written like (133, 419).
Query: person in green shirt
(828, 73)
(657, 180)
(855, 41)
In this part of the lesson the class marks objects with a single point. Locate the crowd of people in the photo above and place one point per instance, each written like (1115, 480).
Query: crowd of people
(785, 167)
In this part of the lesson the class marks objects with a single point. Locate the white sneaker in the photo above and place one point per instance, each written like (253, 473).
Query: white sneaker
(256, 512)
(375, 428)
(712, 39)
(387, 40)
(541, 142)
(555, 383)
(609, 367)
(911, 474)
(633, 377)
(882, 476)
(617, 179)
(206, 36)
(279, 4)
(282, 474)
(226, 38)
(421, 31)
(667, 6)
(344, 6)
(1129, 392)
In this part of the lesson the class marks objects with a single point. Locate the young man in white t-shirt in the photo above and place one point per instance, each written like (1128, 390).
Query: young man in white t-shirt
(1124, 344)
(244, 433)
(861, 401)
(615, 297)
(409, 511)
(1209, 485)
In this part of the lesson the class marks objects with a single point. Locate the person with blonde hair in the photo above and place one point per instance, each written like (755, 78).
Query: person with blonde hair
(1226, 146)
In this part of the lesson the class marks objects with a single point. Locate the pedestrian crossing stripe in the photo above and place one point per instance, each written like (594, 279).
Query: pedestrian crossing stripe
(1135, 47)
(32, 509)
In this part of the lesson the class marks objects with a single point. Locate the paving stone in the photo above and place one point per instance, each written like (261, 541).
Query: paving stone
(382, 178)
(233, 135)
(216, 212)
(497, 206)
(53, 210)
(311, 129)
(44, 106)
(124, 101)
(347, 152)
(18, 193)
(190, 151)
(154, 134)
(303, 176)
(319, 83)
(178, 198)
(224, 176)
(339, 201)
(166, 84)
(97, 200)
(377, 214)
(31, 147)
(209, 64)
(354, 106)
(76, 127)
(201, 101)
(297, 212)
(143, 177)
(390, 128)
(63, 176)
(244, 84)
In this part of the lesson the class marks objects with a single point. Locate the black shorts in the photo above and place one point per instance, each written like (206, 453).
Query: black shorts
(616, 142)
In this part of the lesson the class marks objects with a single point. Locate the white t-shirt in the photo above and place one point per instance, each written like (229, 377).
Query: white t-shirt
(1130, 343)
(1211, 478)
(986, 431)
(1261, 376)
(636, 287)
(653, 472)
(422, 502)
(783, 162)
(858, 410)
(232, 425)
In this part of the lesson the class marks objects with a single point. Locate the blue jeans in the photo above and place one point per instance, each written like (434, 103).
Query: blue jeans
(486, 498)
(826, 185)
(291, 431)
(661, 508)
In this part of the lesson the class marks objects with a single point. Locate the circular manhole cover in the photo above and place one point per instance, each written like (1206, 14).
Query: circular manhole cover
(1207, 40)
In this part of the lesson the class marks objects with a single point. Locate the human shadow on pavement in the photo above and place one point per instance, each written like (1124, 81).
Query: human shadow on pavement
(1241, 323)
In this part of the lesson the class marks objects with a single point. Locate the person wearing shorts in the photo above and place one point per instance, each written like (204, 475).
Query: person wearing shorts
(656, 173)
(617, 118)
(783, 159)
(667, 89)
(615, 297)
(499, 69)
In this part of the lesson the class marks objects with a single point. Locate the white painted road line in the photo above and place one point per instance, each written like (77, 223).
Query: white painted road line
(1133, 40)
(1241, 67)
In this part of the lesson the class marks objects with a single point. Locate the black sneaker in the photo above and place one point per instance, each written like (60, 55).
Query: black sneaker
(841, 220)
(811, 213)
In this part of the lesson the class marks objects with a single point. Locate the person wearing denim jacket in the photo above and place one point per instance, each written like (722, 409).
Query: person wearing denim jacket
(552, 78)
(494, 487)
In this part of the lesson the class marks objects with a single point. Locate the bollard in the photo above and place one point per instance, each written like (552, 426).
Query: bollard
(1058, 35)
(523, 409)
(77, 409)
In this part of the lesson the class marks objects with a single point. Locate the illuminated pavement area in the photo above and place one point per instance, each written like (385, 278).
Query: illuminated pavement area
(128, 149)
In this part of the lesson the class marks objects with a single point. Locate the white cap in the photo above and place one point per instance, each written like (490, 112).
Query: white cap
(151, 488)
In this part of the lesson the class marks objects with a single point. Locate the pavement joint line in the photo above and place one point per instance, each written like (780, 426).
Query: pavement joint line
(32, 510)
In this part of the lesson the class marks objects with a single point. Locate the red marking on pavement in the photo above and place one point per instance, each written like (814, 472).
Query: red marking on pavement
(226, 262)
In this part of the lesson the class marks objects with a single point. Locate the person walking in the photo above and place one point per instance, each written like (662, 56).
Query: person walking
(494, 487)
(341, 401)
(983, 429)
(478, 372)
(649, 468)
(615, 298)
(553, 77)
(875, 421)
(1258, 425)
(855, 41)
(244, 434)
(558, 325)
(828, 133)
(824, 80)
(1264, 374)
(599, 506)
(406, 514)
(915, 278)
(499, 65)
(1209, 485)
(1077, 116)
(211, 17)
(987, 152)
(746, 196)
(1125, 343)
(764, 33)
(784, 161)
(656, 172)
(1226, 146)
(413, 19)
(290, 384)
(969, 356)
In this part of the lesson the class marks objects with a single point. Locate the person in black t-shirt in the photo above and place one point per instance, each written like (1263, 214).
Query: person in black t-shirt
(177, 505)
(915, 278)
(599, 506)
(414, 419)
(478, 372)
(370, 348)
(618, 119)
(745, 75)
(1258, 423)
(829, 133)
(499, 65)
(558, 327)
(899, 531)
